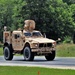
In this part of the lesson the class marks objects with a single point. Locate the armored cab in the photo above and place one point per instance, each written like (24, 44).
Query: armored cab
(28, 42)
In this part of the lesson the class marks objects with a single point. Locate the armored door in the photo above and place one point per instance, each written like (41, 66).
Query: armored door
(17, 41)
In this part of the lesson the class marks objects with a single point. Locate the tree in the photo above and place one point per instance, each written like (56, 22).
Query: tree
(62, 22)
(50, 15)
(69, 1)
(36, 10)
(17, 16)
(5, 14)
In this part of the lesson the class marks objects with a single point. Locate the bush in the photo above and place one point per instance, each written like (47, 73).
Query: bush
(67, 39)
(1, 45)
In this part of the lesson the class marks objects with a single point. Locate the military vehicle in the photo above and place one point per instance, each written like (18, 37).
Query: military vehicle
(28, 42)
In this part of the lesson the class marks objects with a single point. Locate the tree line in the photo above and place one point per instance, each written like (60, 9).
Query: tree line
(56, 16)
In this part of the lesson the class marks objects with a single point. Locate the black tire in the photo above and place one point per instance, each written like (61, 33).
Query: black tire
(50, 56)
(8, 53)
(28, 55)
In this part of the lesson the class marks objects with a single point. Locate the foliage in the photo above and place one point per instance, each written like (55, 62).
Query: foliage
(62, 21)
(50, 15)
(5, 15)
(67, 39)
(69, 1)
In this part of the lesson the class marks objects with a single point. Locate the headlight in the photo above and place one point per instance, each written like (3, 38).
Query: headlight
(35, 44)
(54, 44)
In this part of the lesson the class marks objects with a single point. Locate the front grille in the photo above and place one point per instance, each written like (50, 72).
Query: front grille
(45, 45)
(49, 44)
(41, 45)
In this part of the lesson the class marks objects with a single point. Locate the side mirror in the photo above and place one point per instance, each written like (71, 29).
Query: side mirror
(58, 40)
(44, 35)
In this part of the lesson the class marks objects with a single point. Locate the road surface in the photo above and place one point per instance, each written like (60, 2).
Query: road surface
(59, 62)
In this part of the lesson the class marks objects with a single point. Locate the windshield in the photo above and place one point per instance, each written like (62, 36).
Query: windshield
(33, 34)
(27, 34)
(36, 34)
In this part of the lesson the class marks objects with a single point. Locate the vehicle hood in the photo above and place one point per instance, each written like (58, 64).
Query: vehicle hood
(42, 40)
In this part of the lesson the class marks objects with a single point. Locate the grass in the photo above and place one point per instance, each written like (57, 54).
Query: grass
(1, 51)
(63, 50)
(9, 70)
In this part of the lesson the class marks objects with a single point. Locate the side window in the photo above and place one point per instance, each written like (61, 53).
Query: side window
(16, 36)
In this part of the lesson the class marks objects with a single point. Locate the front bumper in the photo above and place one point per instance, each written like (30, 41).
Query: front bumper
(43, 50)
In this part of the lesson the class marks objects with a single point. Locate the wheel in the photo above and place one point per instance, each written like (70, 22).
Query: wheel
(8, 55)
(28, 55)
(50, 56)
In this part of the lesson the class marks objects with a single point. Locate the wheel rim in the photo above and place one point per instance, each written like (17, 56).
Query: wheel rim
(27, 53)
(6, 53)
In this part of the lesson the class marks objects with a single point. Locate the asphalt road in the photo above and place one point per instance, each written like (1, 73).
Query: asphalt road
(59, 62)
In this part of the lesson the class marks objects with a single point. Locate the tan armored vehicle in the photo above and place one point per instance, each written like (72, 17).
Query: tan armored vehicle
(28, 42)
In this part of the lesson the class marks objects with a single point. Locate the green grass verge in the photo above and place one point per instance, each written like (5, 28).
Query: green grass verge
(65, 50)
(7, 70)
(1, 51)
